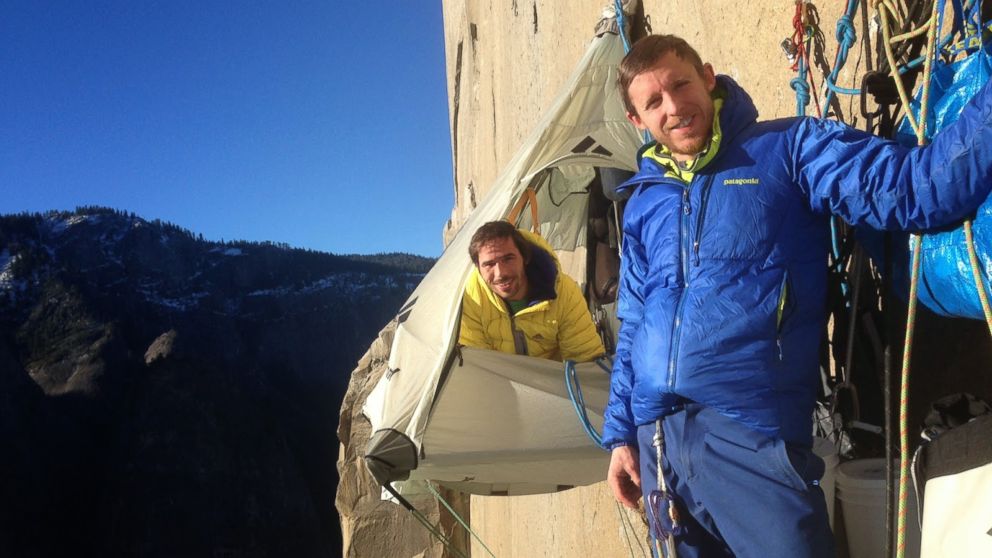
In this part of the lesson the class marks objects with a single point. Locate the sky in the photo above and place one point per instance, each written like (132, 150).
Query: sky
(317, 123)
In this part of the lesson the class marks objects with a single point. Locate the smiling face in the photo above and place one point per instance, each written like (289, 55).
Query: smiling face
(502, 267)
(672, 101)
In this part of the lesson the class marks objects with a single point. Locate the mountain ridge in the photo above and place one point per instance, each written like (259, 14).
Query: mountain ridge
(167, 395)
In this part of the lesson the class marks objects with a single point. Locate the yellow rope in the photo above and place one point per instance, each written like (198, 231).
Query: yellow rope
(904, 401)
(917, 240)
(890, 56)
(885, 9)
(912, 34)
(976, 273)
(892, 8)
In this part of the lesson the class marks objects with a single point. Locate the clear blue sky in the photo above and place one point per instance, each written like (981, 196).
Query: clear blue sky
(321, 124)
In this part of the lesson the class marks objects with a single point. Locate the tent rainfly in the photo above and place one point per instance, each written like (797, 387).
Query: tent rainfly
(493, 423)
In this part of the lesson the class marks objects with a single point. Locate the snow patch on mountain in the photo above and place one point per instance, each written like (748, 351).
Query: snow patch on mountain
(354, 284)
(59, 223)
(227, 251)
(6, 262)
(7, 281)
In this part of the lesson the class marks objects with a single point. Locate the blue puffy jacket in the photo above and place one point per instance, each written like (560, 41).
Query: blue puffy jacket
(723, 281)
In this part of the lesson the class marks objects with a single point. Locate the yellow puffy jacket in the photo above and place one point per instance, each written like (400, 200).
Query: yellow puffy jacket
(559, 327)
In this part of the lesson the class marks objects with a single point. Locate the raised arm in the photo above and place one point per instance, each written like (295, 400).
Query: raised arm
(867, 180)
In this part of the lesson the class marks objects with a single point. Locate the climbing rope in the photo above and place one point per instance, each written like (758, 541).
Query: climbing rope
(884, 10)
(579, 402)
(663, 515)
(846, 37)
(931, 28)
(628, 529)
(458, 518)
(915, 241)
(422, 519)
(621, 24)
(797, 48)
(976, 274)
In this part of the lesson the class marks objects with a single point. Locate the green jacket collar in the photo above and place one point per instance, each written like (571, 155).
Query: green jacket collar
(685, 171)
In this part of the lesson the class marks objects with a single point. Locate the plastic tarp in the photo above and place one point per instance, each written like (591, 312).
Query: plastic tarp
(947, 285)
(408, 408)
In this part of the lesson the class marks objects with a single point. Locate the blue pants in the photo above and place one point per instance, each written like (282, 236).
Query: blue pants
(738, 492)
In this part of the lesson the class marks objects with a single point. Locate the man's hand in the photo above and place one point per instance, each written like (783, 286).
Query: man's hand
(624, 476)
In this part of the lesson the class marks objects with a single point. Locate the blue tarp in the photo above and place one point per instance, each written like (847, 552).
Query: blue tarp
(946, 283)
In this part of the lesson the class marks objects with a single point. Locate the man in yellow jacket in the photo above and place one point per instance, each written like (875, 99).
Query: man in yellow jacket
(517, 300)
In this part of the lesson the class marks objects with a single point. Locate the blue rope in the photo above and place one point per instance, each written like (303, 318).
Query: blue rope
(579, 403)
(801, 88)
(621, 23)
(842, 90)
(846, 37)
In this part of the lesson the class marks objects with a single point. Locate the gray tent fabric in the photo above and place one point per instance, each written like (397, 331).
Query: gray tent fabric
(504, 423)
(522, 436)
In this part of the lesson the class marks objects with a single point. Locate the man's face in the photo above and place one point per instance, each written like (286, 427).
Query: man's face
(502, 267)
(672, 101)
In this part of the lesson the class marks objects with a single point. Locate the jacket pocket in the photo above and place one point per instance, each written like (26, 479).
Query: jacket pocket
(762, 456)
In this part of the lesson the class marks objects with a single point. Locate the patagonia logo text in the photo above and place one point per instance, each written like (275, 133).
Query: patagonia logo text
(739, 181)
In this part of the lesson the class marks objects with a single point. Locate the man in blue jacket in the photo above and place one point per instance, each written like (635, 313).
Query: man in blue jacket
(723, 291)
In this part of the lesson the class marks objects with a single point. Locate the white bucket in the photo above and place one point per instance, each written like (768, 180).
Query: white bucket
(861, 491)
(827, 451)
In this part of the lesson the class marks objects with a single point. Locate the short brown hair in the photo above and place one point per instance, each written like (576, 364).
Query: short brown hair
(494, 230)
(643, 56)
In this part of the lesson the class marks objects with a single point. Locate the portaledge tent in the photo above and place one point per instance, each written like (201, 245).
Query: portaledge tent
(487, 422)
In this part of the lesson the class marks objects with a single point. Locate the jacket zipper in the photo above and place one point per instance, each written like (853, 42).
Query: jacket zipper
(704, 201)
(684, 246)
(519, 339)
(783, 302)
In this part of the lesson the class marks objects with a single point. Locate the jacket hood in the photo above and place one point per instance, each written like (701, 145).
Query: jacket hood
(543, 268)
(738, 113)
